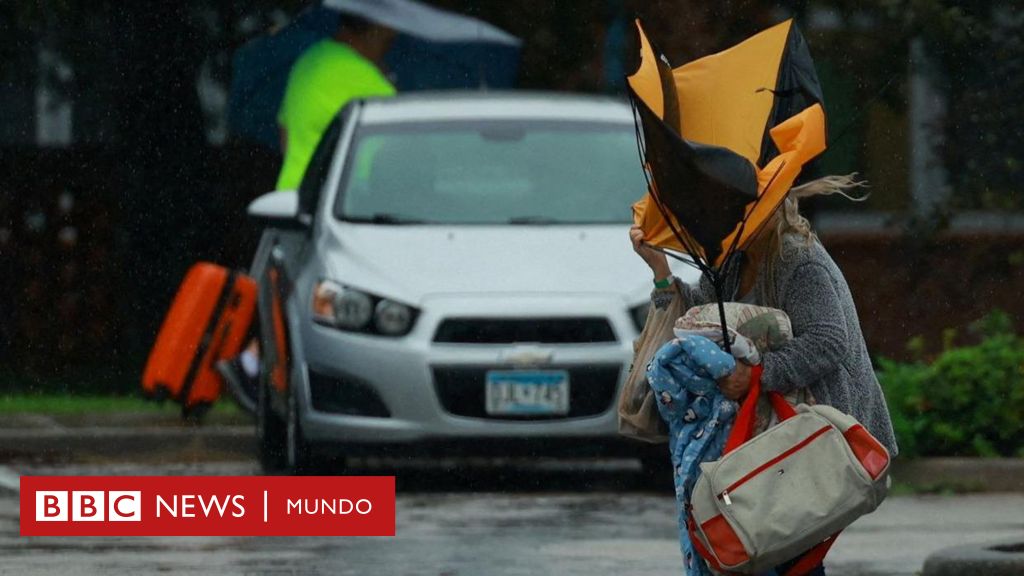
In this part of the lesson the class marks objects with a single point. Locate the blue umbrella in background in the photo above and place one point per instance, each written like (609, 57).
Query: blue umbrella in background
(435, 50)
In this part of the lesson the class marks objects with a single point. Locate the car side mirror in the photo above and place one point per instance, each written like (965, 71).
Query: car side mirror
(279, 209)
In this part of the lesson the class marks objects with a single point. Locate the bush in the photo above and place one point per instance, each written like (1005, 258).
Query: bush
(969, 401)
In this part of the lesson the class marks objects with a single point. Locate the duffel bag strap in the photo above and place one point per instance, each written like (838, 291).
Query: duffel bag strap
(743, 424)
(812, 558)
(743, 430)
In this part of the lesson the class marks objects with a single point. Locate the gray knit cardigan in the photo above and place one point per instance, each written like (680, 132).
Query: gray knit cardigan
(827, 353)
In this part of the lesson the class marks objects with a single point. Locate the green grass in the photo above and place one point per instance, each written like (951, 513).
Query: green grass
(939, 487)
(67, 404)
(73, 404)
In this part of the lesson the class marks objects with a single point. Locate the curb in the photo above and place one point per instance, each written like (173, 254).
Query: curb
(234, 442)
(962, 474)
(1001, 559)
(139, 443)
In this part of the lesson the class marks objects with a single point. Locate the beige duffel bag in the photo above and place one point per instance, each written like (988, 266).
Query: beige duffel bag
(786, 492)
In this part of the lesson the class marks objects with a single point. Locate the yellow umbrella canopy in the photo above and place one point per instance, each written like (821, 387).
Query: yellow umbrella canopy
(723, 138)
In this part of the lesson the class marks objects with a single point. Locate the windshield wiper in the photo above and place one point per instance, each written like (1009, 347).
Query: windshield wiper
(534, 220)
(384, 219)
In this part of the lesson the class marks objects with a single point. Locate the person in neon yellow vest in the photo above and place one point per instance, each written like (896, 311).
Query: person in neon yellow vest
(327, 76)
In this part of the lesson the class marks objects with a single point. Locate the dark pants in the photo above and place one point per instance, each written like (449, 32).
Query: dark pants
(781, 569)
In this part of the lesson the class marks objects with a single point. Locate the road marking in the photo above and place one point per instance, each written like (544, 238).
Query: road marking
(264, 506)
(10, 479)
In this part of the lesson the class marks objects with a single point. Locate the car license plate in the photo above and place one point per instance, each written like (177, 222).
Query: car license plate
(527, 392)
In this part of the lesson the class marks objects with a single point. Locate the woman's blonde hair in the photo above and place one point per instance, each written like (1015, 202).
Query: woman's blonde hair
(788, 220)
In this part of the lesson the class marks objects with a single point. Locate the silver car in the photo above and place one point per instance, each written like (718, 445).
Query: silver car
(454, 275)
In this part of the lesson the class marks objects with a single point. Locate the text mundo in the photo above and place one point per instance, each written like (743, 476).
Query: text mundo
(339, 506)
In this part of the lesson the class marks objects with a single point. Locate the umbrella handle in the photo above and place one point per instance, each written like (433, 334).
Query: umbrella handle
(726, 340)
(715, 281)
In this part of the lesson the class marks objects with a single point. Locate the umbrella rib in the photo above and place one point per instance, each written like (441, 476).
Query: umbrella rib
(757, 201)
(652, 187)
(704, 267)
(697, 259)
(689, 245)
(672, 255)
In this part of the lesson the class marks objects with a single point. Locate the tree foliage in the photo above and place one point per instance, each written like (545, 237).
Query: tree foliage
(980, 46)
(969, 401)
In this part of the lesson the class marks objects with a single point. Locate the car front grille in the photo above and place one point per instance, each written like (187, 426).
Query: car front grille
(461, 391)
(514, 330)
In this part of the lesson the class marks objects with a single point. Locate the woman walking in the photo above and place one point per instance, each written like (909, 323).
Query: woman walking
(786, 267)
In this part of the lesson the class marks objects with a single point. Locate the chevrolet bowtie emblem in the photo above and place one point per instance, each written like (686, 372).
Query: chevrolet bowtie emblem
(527, 356)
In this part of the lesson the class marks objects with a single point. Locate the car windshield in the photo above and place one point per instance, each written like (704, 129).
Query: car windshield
(494, 172)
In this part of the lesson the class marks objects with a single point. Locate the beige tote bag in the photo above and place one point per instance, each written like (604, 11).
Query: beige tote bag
(638, 413)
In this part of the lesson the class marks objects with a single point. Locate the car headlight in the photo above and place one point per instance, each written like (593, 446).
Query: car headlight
(392, 318)
(351, 309)
(639, 314)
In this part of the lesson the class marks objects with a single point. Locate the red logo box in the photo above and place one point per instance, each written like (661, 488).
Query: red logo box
(207, 506)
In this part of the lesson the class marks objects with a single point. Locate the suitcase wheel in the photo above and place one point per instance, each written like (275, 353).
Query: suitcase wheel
(160, 393)
(195, 414)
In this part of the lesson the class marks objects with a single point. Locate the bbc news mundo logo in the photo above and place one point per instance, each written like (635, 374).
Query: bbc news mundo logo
(89, 506)
(207, 506)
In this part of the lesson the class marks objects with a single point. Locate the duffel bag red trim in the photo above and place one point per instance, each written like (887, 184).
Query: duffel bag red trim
(723, 539)
(868, 451)
(698, 545)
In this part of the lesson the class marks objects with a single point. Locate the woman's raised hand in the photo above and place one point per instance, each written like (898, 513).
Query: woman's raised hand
(656, 260)
(735, 385)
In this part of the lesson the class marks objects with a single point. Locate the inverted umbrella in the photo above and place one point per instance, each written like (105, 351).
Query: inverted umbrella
(435, 49)
(722, 140)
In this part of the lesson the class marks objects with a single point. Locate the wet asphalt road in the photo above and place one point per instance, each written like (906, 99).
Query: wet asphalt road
(528, 519)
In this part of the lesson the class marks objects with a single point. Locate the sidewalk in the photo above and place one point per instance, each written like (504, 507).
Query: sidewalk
(904, 531)
(139, 436)
(163, 436)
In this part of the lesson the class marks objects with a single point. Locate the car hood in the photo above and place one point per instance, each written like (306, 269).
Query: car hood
(411, 262)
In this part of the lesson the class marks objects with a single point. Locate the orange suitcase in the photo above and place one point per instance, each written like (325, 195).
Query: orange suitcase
(208, 321)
